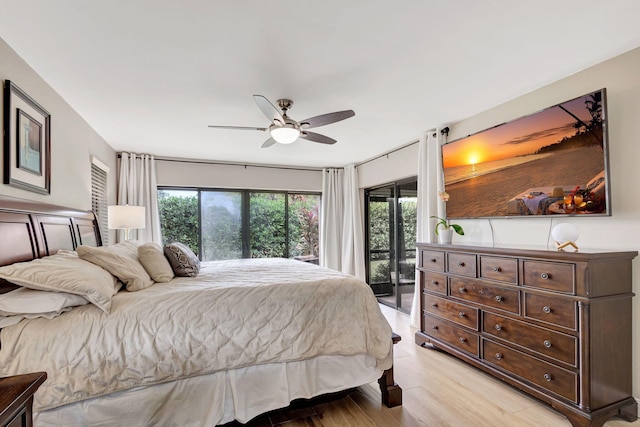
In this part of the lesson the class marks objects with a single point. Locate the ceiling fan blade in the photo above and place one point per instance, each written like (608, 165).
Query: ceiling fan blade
(269, 142)
(237, 127)
(325, 119)
(316, 137)
(268, 109)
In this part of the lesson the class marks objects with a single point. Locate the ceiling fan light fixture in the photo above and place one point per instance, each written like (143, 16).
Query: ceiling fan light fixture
(285, 134)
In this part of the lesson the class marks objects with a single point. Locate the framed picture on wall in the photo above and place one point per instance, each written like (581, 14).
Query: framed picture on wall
(27, 141)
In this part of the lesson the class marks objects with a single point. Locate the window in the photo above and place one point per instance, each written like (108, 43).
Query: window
(304, 237)
(230, 224)
(221, 224)
(99, 172)
(268, 225)
(178, 211)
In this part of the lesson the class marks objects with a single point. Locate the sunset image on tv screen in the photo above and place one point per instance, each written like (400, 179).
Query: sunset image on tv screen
(528, 166)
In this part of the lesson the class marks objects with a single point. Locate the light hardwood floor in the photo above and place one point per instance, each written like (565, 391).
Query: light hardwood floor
(438, 391)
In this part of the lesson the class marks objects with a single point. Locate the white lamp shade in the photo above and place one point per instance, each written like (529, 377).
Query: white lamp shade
(565, 232)
(126, 217)
(285, 134)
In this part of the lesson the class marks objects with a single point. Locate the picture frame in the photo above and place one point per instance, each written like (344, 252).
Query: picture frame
(27, 141)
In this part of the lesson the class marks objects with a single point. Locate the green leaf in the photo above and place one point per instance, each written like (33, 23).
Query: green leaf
(440, 222)
(458, 229)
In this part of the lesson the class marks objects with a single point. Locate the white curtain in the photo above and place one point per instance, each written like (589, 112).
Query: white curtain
(430, 181)
(331, 222)
(341, 234)
(352, 240)
(137, 187)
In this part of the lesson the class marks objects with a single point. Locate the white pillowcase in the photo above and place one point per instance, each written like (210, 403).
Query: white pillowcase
(121, 260)
(117, 285)
(151, 256)
(24, 300)
(28, 303)
(63, 273)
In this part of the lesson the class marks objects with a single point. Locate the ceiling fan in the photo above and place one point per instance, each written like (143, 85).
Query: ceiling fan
(285, 130)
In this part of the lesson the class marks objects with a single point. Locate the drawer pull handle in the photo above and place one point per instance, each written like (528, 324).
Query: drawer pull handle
(547, 343)
(498, 327)
(434, 304)
(461, 315)
(546, 309)
(497, 269)
(433, 260)
(499, 298)
(462, 340)
(434, 282)
(548, 377)
(545, 276)
(498, 356)
(434, 327)
(460, 264)
(462, 290)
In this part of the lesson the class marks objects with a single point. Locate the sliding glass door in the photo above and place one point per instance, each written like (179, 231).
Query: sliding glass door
(391, 242)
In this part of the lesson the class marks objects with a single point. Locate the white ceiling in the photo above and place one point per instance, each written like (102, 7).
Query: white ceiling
(150, 75)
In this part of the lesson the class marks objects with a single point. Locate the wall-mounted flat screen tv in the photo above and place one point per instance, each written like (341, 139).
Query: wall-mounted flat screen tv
(550, 163)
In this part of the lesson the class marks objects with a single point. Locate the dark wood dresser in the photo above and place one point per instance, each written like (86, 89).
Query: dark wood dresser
(16, 398)
(556, 325)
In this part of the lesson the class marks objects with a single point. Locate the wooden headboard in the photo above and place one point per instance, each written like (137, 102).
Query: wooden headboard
(30, 230)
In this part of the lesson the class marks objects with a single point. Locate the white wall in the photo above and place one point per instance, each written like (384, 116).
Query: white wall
(210, 175)
(621, 231)
(73, 141)
(393, 167)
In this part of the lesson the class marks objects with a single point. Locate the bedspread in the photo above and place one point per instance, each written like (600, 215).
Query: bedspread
(233, 314)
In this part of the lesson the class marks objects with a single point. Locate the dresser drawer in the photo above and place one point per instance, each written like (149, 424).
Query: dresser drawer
(435, 282)
(551, 309)
(432, 260)
(452, 311)
(553, 344)
(548, 275)
(463, 264)
(452, 335)
(497, 268)
(552, 378)
(488, 295)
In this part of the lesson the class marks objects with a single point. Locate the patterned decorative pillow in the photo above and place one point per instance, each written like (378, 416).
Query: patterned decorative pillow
(182, 259)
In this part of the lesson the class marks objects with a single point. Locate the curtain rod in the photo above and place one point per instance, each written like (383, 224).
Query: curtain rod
(245, 165)
(444, 131)
(387, 153)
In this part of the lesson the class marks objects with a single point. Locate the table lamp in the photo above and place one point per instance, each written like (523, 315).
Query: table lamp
(565, 234)
(125, 217)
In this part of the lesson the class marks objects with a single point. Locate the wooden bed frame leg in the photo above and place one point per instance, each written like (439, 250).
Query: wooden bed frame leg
(391, 392)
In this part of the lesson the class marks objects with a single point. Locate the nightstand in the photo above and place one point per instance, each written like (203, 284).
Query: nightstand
(16, 398)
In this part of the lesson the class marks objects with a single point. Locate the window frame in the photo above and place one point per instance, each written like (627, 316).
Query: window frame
(245, 211)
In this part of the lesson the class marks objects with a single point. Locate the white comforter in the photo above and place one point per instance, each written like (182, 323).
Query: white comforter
(234, 314)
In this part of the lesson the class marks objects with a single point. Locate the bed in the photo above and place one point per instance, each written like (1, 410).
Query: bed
(242, 338)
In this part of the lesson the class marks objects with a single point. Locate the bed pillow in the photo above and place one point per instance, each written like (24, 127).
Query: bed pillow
(182, 259)
(121, 260)
(62, 273)
(25, 303)
(117, 284)
(152, 258)
(16, 318)
(30, 301)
